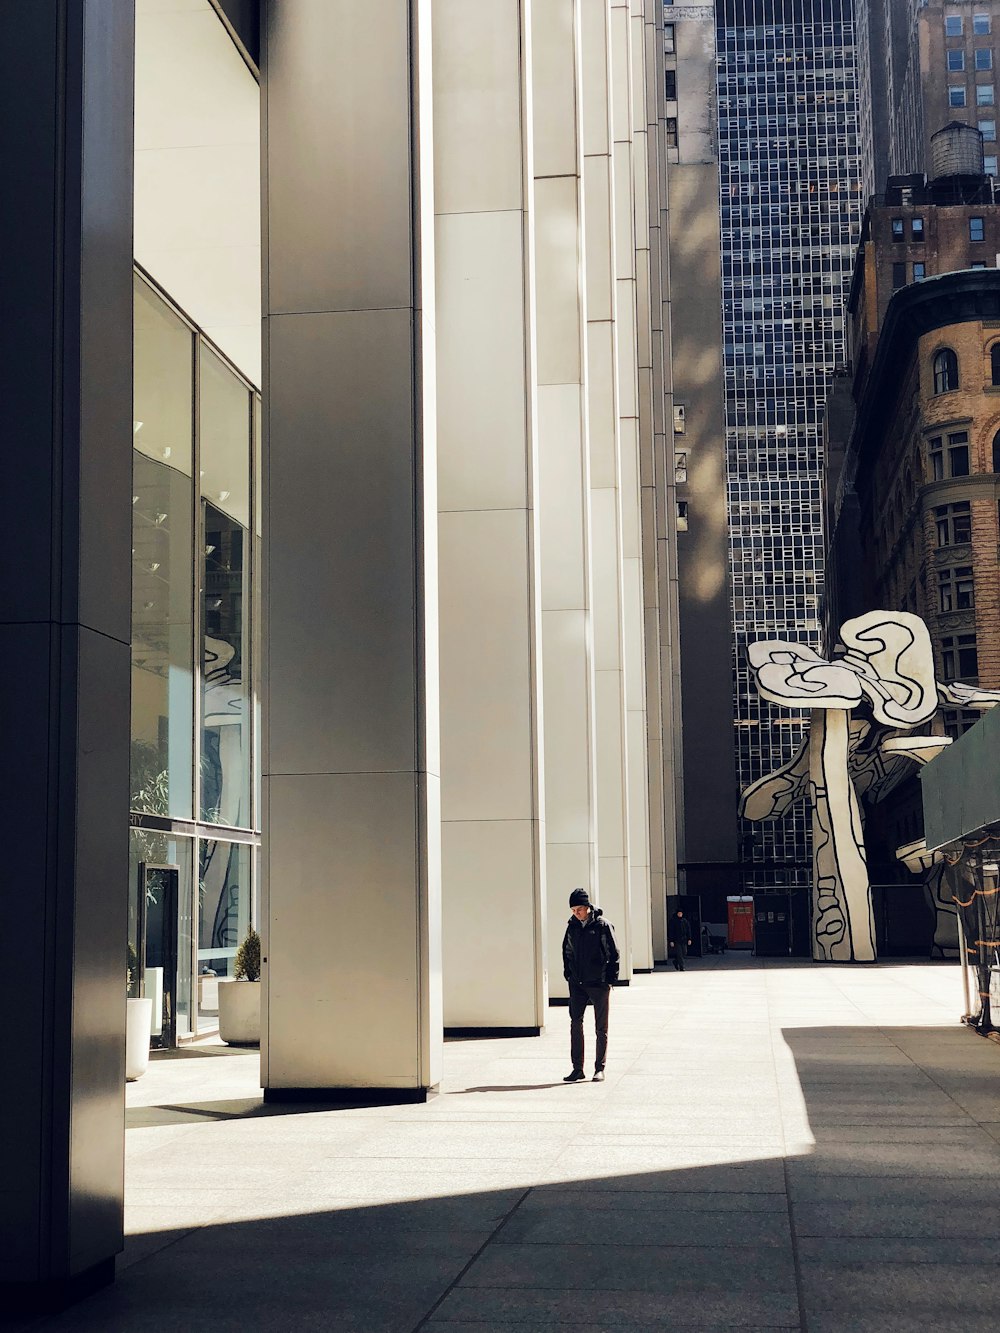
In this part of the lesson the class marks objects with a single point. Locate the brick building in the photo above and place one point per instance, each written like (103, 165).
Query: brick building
(918, 229)
(932, 61)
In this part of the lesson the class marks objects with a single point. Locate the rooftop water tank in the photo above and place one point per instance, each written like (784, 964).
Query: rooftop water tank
(957, 150)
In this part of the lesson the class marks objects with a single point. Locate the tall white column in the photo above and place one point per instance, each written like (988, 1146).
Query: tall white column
(564, 470)
(666, 523)
(656, 473)
(351, 892)
(633, 291)
(605, 497)
(493, 831)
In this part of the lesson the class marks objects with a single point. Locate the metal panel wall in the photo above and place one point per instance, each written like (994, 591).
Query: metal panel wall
(351, 893)
(65, 537)
(564, 471)
(493, 830)
(604, 410)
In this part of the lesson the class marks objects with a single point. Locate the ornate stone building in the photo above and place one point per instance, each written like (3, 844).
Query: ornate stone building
(916, 508)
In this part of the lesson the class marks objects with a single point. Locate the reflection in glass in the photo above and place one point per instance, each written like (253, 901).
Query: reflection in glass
(162, 553)
(223, 917)
(225, 490)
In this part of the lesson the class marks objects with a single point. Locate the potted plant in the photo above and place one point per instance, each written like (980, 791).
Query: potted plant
(239, 997)
(138, 1021)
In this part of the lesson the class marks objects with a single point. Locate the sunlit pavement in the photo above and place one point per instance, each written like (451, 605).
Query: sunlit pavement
(777, 1145)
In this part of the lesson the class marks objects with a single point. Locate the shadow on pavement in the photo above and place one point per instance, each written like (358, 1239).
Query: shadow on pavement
(888, 1222)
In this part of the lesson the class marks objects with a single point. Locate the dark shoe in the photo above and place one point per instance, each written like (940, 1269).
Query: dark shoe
(576, 1076)
(598, 1076)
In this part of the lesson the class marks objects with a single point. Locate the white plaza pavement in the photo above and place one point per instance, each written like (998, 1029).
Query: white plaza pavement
(777, 1145)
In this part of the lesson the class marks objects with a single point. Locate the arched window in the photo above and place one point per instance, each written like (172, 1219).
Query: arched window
(995, 363)
(996, 452)
(945, 371)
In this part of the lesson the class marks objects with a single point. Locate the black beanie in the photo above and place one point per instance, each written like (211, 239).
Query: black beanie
(579, 898)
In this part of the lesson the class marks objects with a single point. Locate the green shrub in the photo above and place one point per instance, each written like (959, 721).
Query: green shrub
(247, 961)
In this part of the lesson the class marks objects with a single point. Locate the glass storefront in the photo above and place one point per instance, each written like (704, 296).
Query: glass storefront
(195, 710)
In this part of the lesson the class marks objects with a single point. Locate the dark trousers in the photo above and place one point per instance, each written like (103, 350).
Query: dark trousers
(680, 953)
(579, 998)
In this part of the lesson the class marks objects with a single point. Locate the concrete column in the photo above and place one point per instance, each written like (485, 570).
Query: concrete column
(65, 608)
(605, 497)
(564, 471)
(632, 253)
(351, 893)
(667, 535)
(493, 833)
(656, 474)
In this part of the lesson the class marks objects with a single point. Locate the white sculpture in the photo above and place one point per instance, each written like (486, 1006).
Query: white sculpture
(888, 665)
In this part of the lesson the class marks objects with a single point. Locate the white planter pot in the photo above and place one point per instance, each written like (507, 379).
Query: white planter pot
(239, 1012)
(138, 1024)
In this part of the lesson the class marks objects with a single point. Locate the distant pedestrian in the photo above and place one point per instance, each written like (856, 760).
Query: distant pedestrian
(679, 935)
(590, 965)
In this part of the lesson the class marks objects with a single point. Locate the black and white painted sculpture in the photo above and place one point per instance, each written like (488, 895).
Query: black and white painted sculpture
(884, 668)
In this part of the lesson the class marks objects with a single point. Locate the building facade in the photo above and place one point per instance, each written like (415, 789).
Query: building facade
(357, 631)
(950, 73)
(790, 213)
(917, 508)
(707, 824)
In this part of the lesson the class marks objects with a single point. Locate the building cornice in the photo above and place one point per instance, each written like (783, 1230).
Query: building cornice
(939, 302)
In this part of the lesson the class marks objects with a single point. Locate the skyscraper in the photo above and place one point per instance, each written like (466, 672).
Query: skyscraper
(790, 211)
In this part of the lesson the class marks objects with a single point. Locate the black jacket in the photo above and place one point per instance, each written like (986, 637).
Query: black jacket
(590, 951)
(679, 928)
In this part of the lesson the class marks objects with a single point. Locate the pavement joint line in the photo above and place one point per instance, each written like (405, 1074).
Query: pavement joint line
(775, 1033)
(422, 1323)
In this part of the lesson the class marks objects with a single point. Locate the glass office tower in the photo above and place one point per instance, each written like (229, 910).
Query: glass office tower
(790, 215)
(196, 539)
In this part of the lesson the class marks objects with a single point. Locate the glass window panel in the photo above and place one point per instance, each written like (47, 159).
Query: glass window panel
(984, 94)
(162, 717)
(255, 627)
(956, 60)
(988, 129)
(981, 24)
(958, 458)
(956, 95)
(953, 25)
(224, 905)
(225, 488)
(984, 58)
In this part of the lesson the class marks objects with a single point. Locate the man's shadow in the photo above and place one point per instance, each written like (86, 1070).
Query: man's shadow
(508, 1087)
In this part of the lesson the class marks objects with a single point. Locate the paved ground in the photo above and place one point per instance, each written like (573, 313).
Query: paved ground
(776, 1146)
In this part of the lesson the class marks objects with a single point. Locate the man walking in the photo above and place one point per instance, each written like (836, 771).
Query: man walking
(679, 935)
(590, 965)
